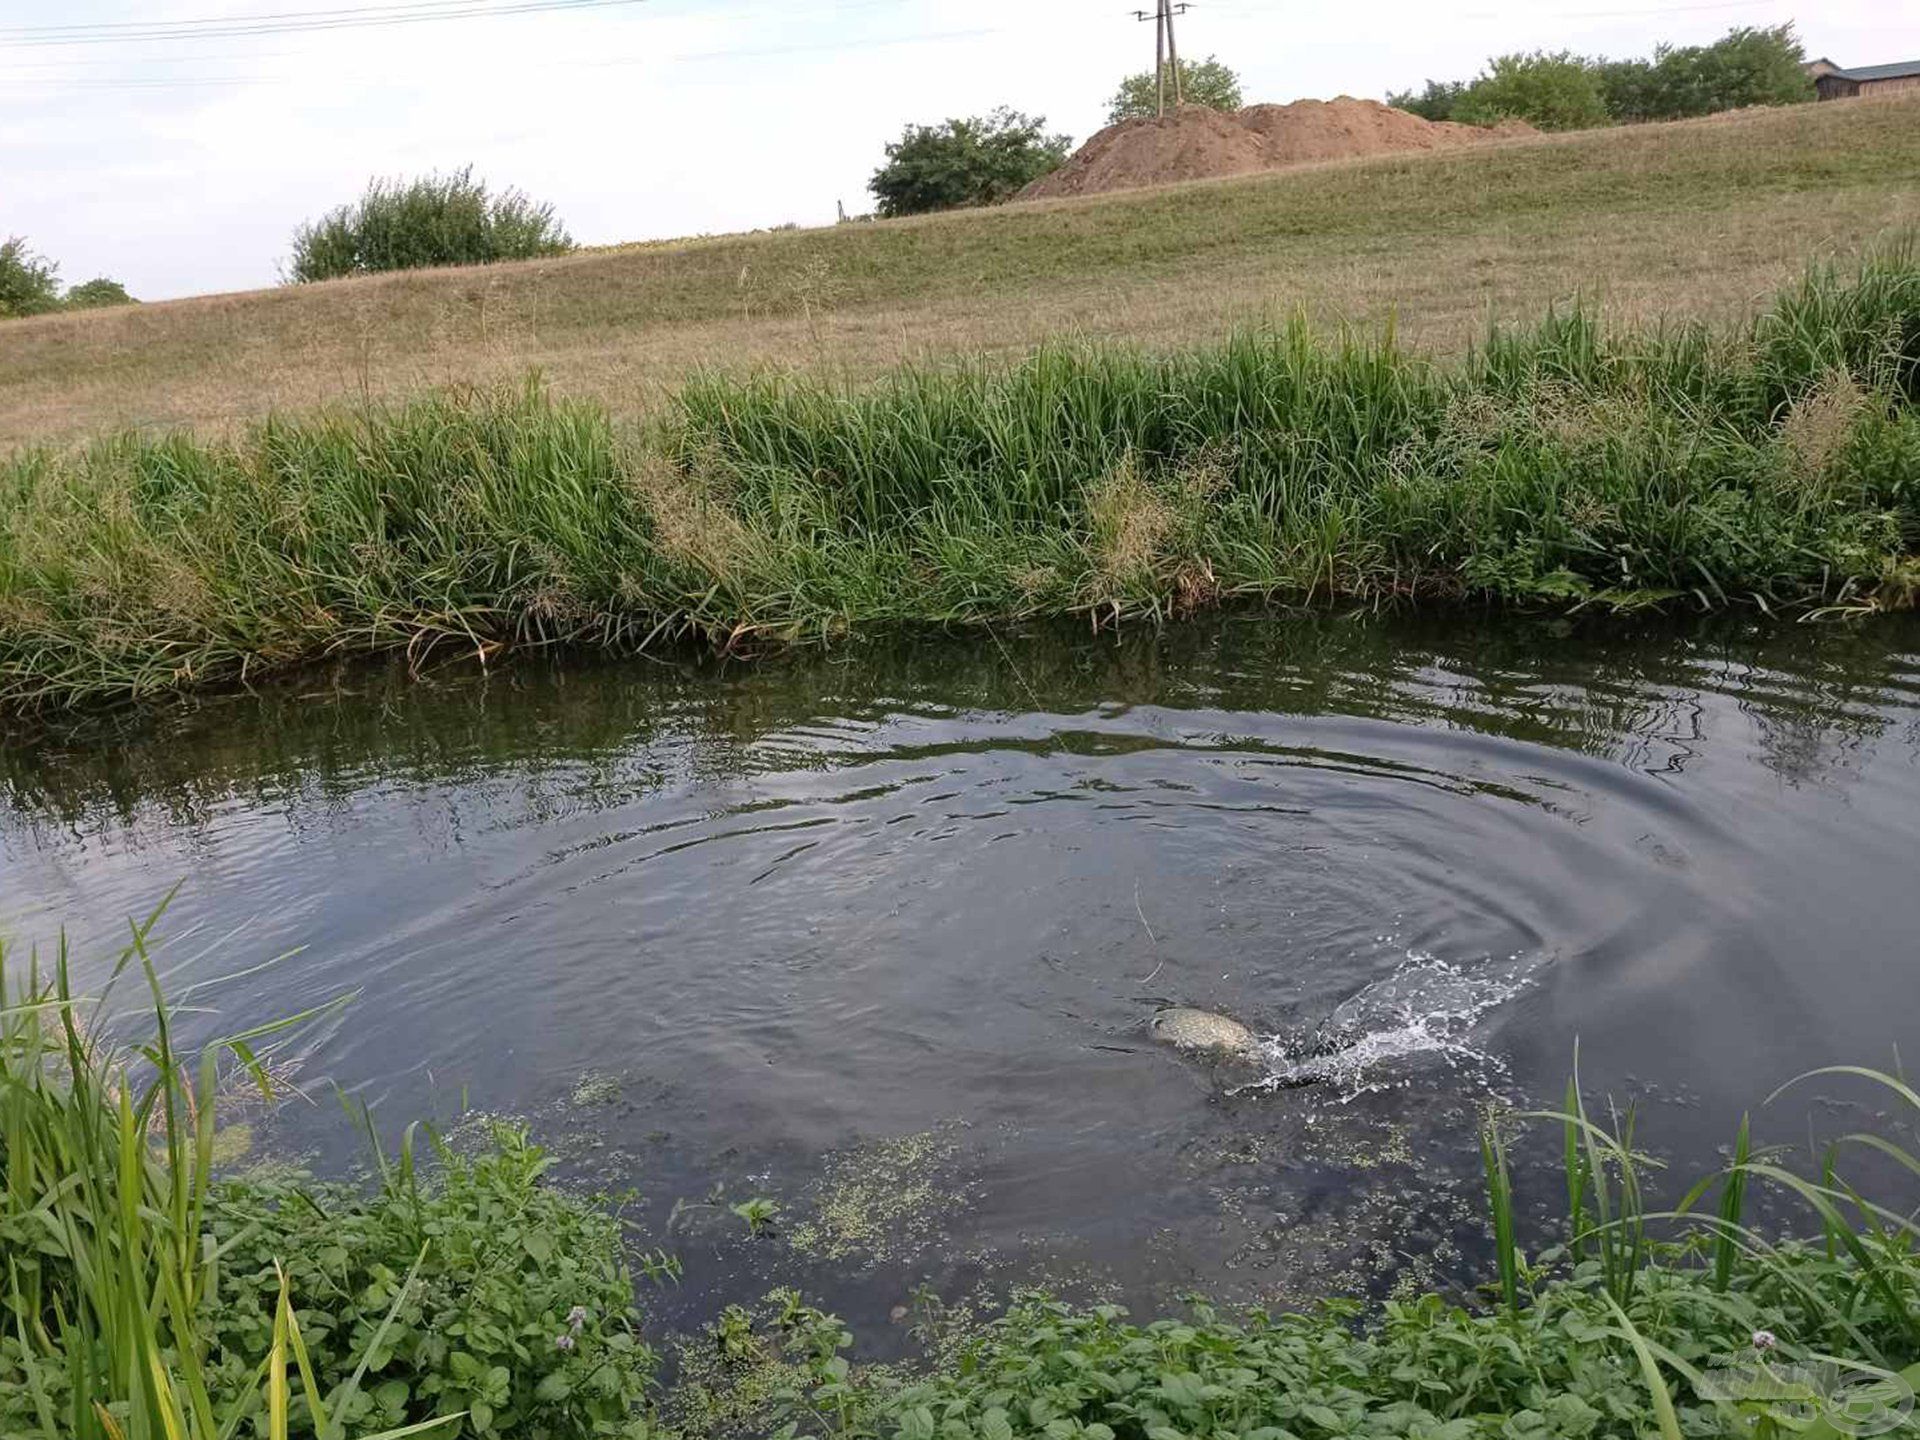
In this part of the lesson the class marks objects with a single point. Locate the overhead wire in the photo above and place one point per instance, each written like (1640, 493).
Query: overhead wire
(305, 23)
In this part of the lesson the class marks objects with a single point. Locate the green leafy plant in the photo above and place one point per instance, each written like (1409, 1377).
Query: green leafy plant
(977, 161)
(1205, 82)
(759, 1213)
(142, 1297)
(434, 220)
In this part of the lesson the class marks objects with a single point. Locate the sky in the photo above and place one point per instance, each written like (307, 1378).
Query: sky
(181, 166)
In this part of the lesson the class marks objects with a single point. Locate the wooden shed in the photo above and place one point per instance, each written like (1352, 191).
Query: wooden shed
(1830, 82)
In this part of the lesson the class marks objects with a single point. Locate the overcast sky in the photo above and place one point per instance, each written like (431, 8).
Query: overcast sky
(181, 166)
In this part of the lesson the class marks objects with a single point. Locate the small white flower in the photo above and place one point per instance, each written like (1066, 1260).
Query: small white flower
(576, 1317)
(563, 1342)
(1764, 1340)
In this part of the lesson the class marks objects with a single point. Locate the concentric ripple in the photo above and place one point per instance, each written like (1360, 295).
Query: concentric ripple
(795, 909)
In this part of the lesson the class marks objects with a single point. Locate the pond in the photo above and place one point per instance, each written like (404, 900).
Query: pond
(874, 931)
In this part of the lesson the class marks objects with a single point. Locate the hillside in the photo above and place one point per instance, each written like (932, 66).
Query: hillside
(1697, 217)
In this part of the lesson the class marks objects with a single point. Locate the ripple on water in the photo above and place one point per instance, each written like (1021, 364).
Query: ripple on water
(811, 907)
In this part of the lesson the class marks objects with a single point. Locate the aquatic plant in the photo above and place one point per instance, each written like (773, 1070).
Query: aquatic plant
(759, 1213)
(1564, 464)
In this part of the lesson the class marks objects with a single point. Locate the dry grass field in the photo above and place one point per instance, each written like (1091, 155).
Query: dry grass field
(1700, 217)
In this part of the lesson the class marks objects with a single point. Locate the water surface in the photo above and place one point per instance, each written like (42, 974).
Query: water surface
(874, 931)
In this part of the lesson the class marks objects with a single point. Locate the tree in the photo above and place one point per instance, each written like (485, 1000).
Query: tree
(1437, 102)
(1206, 82)
(435, 220)
(97, 294)
(1744, 67)
(29, 283)
(1555, 91)
(977, 161)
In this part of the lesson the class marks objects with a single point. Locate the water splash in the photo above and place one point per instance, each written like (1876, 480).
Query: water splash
(1427, 1011)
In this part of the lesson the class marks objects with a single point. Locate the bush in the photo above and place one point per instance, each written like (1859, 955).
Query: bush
(1437, 102)
(1745, 67)
(1558, 91)
(978, 161)
(1563, 91)
(97, 294)
(29, 283)
(437, 220)
(1206, 82)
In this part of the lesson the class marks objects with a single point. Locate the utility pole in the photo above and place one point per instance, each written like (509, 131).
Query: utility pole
(1166, 54)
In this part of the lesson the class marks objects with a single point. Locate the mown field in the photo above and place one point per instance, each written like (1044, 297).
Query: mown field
(1698, 218)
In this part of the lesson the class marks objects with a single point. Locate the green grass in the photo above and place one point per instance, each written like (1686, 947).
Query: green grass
(1777, 465)
(1698, 219)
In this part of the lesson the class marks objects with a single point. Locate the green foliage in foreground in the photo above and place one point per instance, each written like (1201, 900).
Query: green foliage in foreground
(434, 220)
(1564, 91)
(1778, 466)
(1684, 1323)
(978, 161)
(142, 1297)
(1205, 82)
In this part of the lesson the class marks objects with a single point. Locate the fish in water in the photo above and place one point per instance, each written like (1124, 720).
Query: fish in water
(1201, 1032)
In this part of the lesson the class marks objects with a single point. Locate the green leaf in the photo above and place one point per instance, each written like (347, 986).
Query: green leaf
(553, 1389)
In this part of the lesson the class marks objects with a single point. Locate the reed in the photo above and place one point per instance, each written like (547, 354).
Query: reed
(1562, 464)
(110, 1265)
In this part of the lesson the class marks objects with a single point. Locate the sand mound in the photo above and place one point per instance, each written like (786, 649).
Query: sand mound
(1200, 144)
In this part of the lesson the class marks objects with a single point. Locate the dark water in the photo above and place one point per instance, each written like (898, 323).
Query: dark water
(873, 932)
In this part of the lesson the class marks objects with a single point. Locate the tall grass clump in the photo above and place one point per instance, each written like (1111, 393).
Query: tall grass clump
(143, 1297)
(1565, 463)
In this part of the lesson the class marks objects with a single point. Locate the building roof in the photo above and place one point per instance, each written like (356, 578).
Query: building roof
(1898, 71)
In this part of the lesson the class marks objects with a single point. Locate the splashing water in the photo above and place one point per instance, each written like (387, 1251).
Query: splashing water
(1427, 1008)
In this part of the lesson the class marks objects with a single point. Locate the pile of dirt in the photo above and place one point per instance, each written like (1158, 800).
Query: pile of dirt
(1201, 144)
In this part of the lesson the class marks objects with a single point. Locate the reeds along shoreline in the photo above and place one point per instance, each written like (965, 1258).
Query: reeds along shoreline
(1566, 463)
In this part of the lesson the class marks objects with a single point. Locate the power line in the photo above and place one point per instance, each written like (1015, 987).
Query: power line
(1166, 55)
(87, 26)
(297, 23)
(18, 84)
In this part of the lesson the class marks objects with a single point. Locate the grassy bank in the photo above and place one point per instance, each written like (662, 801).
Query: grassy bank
(1697, 219)
(1777, 465)
(462, 1296)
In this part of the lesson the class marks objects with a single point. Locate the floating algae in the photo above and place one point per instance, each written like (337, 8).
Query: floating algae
(886, 1200)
